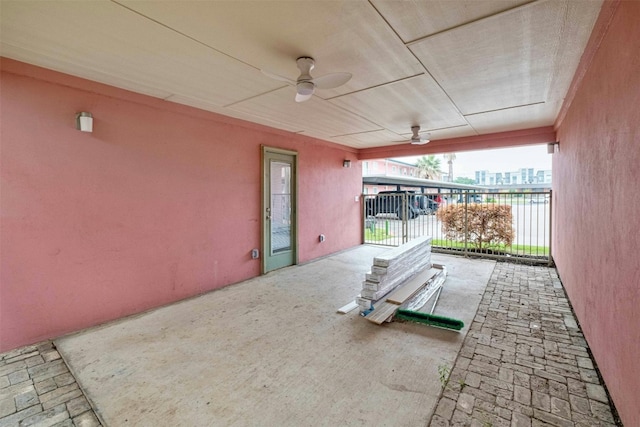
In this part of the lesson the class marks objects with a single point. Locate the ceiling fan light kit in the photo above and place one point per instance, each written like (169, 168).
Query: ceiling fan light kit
(416, 139)
(305, 88)
(305, 84)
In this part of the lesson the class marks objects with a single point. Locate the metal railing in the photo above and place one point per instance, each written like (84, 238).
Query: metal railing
(514, 226)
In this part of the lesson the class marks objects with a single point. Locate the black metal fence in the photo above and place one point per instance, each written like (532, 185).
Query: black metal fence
(510, 225)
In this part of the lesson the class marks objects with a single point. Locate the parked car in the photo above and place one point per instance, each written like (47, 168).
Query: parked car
(391, 202)
(428, 204)
(471, 198)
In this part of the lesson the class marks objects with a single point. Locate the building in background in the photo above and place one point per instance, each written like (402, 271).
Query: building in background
(521, 179)
(389, 167)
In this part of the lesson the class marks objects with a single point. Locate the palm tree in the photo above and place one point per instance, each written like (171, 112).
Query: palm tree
(429, 167)
(450, 157)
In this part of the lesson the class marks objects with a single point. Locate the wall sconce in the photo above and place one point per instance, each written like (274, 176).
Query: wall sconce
(84, 121)
(346, 163)
(551, 147)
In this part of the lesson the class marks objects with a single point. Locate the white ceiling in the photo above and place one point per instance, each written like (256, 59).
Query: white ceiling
(456, 68)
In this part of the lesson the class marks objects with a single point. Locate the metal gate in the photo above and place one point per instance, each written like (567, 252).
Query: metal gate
(514, 225)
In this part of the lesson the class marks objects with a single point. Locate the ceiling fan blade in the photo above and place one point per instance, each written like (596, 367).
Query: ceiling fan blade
(329, 81)
(302, 98)
(278, 77)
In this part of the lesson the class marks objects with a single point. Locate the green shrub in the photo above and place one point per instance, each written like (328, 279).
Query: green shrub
(488, 225)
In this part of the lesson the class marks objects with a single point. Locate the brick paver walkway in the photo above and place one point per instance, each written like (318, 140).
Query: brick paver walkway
(37, 389)
(525, 362)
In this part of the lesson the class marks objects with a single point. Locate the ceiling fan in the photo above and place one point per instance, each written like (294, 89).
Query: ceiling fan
(305, 84)
(416, 139)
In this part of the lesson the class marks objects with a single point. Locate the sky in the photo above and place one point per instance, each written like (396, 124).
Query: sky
(498, 160)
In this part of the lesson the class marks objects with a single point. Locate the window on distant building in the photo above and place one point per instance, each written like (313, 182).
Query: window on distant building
(394, 169)
(365, 167)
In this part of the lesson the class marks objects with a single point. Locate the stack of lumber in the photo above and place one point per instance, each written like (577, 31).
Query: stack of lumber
(421, 286)
(393, 268)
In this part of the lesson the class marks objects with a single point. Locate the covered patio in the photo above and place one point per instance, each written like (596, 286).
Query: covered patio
(168, 196)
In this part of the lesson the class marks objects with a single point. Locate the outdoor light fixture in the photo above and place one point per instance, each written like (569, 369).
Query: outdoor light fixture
(551, 147)
(346, 163)
(84, 121)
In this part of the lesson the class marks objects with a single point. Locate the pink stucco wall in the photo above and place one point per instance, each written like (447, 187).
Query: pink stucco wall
(596, 177)
(159, 203)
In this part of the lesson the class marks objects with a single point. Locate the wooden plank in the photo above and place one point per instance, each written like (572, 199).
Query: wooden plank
(387, 286)
(411, 287)
(347, 308)
(391, 256)
(382, 312)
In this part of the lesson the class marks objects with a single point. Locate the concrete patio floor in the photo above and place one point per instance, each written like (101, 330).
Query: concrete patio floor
(273, 351)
